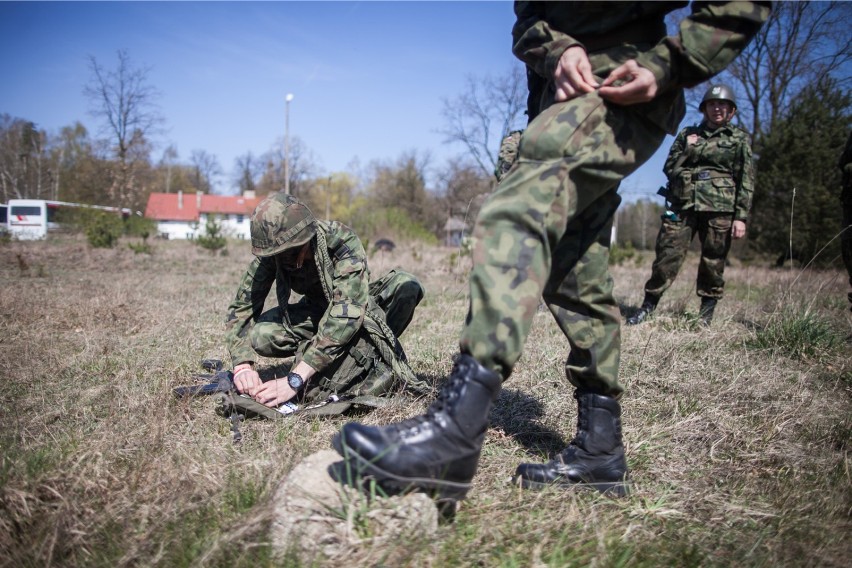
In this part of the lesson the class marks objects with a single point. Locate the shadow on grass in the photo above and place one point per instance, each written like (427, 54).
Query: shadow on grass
(518, 414)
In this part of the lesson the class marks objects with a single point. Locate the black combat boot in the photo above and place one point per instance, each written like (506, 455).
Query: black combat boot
(436, 452)
(649, 304)
(705, 313)
(594, 458)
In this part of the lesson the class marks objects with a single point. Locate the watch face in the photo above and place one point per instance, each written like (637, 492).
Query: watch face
(295, 381)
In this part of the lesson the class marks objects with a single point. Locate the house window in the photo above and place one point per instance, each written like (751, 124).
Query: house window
(240, 218)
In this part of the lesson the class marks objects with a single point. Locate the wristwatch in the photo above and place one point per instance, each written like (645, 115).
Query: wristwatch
(295, 381)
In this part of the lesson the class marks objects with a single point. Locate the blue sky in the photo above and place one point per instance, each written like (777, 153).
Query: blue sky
(368, 78)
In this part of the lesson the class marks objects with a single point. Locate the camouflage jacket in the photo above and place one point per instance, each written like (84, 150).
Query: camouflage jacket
(613, 32)
(714, 174)
(341, 285)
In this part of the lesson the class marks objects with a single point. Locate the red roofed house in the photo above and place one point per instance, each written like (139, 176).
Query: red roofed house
(184, 216)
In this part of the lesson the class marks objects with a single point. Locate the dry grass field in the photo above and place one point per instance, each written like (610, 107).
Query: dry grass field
(738, 436)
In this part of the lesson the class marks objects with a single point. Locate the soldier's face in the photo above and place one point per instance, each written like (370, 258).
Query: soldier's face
(718, 113)
(294, 258)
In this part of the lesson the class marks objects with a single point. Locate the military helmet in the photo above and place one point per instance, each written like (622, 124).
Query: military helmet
(719, 92)
(280, 222)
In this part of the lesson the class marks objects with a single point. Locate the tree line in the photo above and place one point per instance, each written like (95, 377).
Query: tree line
(792, 84)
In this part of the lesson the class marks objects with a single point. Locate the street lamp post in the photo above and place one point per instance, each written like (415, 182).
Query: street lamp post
(287, 99)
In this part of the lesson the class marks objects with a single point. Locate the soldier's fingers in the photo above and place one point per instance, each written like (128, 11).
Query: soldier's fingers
(640, 86)
(584, 69)
(563, 94)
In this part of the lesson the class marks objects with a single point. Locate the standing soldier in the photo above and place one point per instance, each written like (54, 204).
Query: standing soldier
(613, 90)
(342, 331)
(711, 181)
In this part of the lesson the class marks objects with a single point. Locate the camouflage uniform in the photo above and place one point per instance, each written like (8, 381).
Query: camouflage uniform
(846, 203)
(545, 231)
(508, 153)
(711, 184)
(339, 315)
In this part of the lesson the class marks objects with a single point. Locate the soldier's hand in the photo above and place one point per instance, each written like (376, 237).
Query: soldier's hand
(691, 139)
(573, 76)
(629, 84)
(245, 378)
(272, 393)
(738, 229)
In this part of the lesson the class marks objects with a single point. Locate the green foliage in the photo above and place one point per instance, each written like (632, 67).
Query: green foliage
(390, 222)
(801, 153)
(140, 248)
(137, 226)
(212, 239)
(617, 254)
(102, 228)
(797, 334)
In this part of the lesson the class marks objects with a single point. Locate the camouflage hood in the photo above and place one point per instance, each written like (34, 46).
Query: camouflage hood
(280, 222)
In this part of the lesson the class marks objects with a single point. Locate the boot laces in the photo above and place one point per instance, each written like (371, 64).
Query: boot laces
(445, 399)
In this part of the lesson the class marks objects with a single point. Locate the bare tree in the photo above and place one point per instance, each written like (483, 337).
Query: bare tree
(206, 169)
(170, 156)
(488, 109)
(302, 168)
(800, 44)
(247, 170)
(463, 187)
(26, 170)
(401, 184)
(126, 103)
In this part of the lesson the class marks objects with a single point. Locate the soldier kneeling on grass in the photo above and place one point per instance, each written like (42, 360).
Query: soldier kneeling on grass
(342, 331)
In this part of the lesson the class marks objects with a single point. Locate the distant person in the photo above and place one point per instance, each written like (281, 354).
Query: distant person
(711, 182)
(846, 204)
(342, 331)
(613, 90)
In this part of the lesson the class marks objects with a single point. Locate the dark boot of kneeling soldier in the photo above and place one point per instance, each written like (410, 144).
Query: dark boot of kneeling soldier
(594, 458)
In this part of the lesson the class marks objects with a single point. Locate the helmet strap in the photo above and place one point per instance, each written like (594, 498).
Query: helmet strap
(300, 260)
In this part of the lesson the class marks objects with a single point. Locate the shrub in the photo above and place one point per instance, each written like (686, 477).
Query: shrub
(136, 226)
(102, 229)
(390, 222)
(618, 254)
(212, 239)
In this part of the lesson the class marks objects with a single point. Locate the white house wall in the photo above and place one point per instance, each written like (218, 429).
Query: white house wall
(233, 226)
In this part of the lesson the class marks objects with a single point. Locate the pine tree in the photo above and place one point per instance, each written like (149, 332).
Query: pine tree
(800, 154)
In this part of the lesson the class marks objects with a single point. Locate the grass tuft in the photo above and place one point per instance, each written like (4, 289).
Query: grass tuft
(800, 335)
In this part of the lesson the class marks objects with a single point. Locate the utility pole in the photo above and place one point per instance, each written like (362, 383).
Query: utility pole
(287, 100)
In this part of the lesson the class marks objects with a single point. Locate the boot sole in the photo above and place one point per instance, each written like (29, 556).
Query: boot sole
(438, 489)
(609, 488)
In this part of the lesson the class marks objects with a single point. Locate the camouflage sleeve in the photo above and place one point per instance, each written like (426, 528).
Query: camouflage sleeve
(707, 41)
(247, 307)
(350, 287)
(744, 180)
(535, 42)
(675, 153)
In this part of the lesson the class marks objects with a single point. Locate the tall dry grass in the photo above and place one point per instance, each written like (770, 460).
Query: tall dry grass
(738, 436)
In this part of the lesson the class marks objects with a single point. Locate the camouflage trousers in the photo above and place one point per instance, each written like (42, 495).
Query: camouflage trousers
(545, 233)
(394, 297)
(673, 240)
